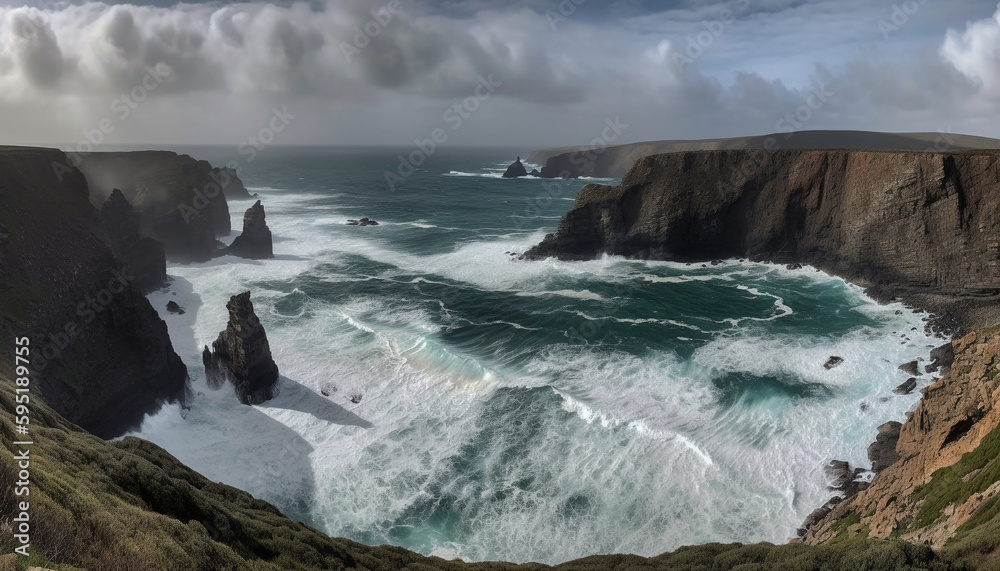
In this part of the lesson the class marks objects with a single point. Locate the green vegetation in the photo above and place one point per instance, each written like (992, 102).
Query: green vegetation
(946, 485)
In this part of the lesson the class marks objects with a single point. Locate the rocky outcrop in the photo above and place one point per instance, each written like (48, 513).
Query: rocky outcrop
(363, 222)
(242, 355)
(882, 452)
(936, 486)
(143, 257)
(905, 223)
(255, 241)
(515, 170)
(180, 200)
(232, 186)
(100, 354)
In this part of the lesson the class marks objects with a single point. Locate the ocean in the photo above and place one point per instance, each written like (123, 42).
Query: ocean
(439, 394)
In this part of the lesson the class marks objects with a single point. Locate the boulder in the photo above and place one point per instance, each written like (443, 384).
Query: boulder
(515, 170)
(242, 355)
(534, 172)
(906, 387)
(839, 474)
(882, 452)
(941, 358)
(362, 222)
(911, 368)
(172, 307)
(255, 241)
(833, 362)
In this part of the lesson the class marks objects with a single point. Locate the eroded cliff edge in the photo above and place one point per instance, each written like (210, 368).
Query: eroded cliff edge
(918, 225)
(101, 356)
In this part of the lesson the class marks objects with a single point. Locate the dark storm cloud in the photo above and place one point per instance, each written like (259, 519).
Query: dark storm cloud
(383, 77)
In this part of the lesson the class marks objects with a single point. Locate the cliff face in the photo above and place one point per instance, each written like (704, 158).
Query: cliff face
(143, 257)
(231, 184)
(180, 200)
(946, 485)
(101, 355)
(907, 223)
(600, 160)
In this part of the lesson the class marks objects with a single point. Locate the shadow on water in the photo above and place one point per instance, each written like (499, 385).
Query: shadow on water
(181, 327)
(233, 443)
(295, 396)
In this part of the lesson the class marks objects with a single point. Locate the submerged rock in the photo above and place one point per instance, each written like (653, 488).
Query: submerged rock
(255, 241)
(515, 170)
(833, 362)
(242, 355)
(362, 222)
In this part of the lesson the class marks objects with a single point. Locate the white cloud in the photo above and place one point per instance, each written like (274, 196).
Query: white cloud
(976, 53)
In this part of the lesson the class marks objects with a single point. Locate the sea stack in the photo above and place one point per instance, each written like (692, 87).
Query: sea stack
(144, 258)
(515, 170)
(242, 355)
(255, 241)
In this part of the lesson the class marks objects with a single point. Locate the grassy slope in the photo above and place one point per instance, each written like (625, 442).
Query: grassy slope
(129, 505)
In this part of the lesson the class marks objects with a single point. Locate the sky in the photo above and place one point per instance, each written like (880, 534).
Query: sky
(526, 73)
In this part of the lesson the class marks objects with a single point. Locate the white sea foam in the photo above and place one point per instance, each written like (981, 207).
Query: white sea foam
(634, 442)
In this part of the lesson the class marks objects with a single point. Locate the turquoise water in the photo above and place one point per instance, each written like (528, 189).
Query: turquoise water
(526, 411)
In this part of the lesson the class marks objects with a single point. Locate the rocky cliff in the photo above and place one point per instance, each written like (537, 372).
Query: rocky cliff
(180, 200)
(101, 355)
(255, 241)
(924, 226)
(231, 184)
(612, 161)
(242, 355)
(921, 225)
(944, 490)
(143, 257)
